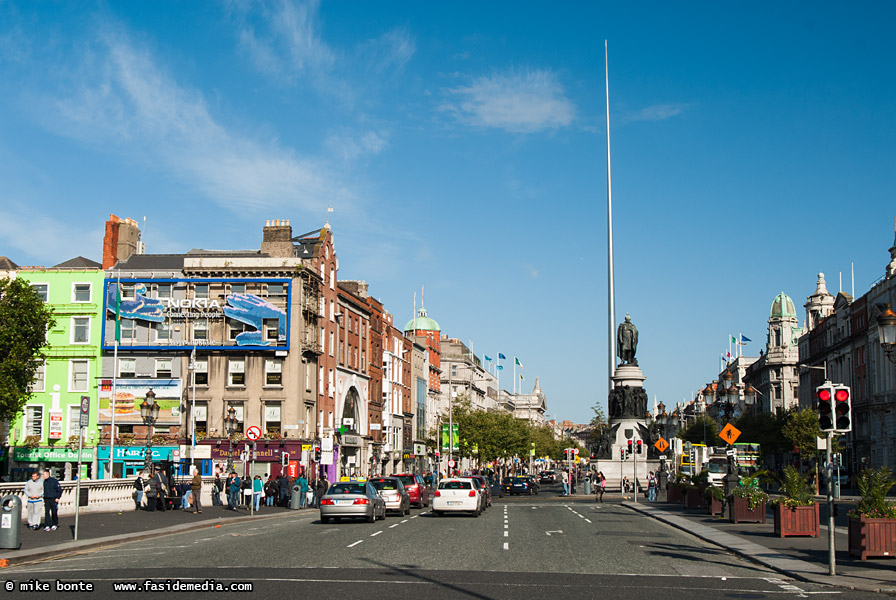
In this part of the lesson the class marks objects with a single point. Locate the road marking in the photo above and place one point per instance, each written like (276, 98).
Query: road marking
(405, 521)
(375, 534)
(505, 525)
(415, 516)
(506, 533)
(396, 525)
(355, 544)
(506, 546)
(550, 532)
(587, 520)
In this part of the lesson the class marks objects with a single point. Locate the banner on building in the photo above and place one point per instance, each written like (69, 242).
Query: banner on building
(129, 393)
(446, 438)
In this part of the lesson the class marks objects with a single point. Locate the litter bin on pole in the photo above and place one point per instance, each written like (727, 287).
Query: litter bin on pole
(10, 522)
(587, 486)
(295, 498)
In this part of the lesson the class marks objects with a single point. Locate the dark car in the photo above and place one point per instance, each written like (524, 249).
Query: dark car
(548, 477)
(518, 485)
(486, 488)
(420, 493)
(534, 481)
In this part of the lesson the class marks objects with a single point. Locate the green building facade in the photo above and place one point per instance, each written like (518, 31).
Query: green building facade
(46, 433)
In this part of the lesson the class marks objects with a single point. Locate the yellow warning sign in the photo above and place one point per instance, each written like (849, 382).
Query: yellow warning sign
(730, 433)
(661, 445)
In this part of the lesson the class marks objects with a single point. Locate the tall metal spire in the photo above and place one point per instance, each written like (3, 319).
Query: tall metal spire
(611, 304)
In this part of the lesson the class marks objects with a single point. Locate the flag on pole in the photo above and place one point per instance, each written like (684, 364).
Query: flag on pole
(500, 367)
(728, 355)
(744, 339)
(518, 363)
(487, 357)
(117, 313)
(500, 356)
(733, 339)
(521, 377)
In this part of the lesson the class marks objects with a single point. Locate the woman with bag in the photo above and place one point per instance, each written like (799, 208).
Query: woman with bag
(138, 490)
(601, 487)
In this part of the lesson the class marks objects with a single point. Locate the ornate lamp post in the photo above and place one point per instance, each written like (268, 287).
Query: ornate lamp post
(149, 411)
(230, 425)
(750, 396)
(886, 329)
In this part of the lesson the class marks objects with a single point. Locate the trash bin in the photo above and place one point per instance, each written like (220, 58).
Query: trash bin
(10, 522)
(295, 498)
(587, 487)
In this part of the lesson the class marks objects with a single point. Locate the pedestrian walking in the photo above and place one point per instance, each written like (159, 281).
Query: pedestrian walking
(283, 488)
(196, 489)
(303, 490)
(217, 488)
(233, 491)
(271, 491)
(257, 491)
(322, 486)
(34, 497)
(52, 494)
(157, 484)
(138, 490)
(564, 477)
(651, 487)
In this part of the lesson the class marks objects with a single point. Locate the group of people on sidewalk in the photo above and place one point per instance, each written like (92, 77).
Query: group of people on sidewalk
(42, 500)
(158, 491)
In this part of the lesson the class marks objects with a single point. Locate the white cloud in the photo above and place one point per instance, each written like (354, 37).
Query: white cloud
(656, 112)
(349, 147)
(128, 104)
(21, 223)
(519, 102)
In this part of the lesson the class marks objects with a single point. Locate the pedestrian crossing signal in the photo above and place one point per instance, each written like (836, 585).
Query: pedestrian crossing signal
(842, 409)
(824, 395)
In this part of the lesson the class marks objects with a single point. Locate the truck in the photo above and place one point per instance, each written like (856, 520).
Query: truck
(746, 457)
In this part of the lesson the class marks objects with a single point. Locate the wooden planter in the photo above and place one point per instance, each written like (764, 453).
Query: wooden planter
(714, 506)
(676, 495)
(741, 513)
(694, 498)
(872, 537)
(796, 520)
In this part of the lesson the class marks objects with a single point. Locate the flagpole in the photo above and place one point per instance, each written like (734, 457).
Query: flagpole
(514, 376)
(114, 372)
(611, 358)
(193, 406)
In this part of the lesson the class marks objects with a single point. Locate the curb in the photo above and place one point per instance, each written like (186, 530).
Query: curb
(764, 556)
(21, 557)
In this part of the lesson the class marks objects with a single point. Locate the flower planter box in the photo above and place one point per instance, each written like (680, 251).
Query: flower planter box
(872, 537)
(694, 498)
(714, 507)
(796, 520)
(676, 495)
(741, 513)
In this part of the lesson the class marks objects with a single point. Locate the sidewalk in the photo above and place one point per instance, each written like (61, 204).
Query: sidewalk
(101, 529)
(803, 558)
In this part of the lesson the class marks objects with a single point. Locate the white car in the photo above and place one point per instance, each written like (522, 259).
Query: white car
(457, 494)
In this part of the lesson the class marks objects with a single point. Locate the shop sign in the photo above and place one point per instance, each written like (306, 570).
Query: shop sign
(201, 451)
(55, 424)
(50, 454)
(419, 449)
(407, 455)
(135, 453)
(351, 440)
(129, 393)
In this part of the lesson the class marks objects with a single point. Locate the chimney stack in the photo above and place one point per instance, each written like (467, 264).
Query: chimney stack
(276, 240)
(121, 240)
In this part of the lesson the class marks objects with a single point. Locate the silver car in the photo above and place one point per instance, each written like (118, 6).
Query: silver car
(392, 490)
(352, 499)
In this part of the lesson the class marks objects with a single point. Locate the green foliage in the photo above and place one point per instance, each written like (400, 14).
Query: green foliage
(24, 322)
(796, 488)
(749, 488)
(801, 429)
(700, 429)
(764, 429)
(873, 487)
(714, 492)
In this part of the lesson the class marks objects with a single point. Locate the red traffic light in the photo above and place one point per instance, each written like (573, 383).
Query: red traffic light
(629, 443)
(824, 395)
(841, 395)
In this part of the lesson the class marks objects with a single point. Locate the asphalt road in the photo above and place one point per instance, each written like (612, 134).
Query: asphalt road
(542, 546)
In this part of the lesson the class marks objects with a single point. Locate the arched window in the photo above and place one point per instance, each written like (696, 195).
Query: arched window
(351, 410)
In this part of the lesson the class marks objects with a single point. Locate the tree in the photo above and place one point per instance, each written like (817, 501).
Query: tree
(701, 429)
(24, 322)
(801, 429)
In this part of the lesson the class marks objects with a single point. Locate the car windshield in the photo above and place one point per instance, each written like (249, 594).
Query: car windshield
(406, 479)
(346, 488)
(718, 467)
(456, 485)
(384, 484)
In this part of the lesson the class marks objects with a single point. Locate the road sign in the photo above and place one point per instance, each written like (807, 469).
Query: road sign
(731, 452)
(663, 457)
(253, 433)
(85, 412)
(662, 445)
(452, 463)
(575, 451)
(730, 433)
(176, 453)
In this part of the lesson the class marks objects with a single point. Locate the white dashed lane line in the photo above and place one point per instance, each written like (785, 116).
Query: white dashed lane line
(375, 533)
(355, 544)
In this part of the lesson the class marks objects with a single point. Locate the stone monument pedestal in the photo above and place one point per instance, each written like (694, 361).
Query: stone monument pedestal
(628, 410)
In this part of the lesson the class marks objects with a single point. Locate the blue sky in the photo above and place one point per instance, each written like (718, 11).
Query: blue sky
(462, 146)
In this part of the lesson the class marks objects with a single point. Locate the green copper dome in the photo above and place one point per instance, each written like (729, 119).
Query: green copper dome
(422, 323)
(782, 306)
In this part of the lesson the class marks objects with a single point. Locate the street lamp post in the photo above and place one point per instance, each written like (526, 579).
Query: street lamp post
(149, 411)
(230, 426)
(886, 328)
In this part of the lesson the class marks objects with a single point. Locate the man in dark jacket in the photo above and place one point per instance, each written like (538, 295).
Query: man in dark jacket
(283, 486)
(52, 494)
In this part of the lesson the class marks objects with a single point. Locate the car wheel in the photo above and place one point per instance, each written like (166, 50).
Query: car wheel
(437, 513)
(372, 517)
(476, 513)
(324, 520)
(531, 491)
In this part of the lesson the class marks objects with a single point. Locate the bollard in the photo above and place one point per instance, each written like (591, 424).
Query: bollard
(295, 498)
(11, 522)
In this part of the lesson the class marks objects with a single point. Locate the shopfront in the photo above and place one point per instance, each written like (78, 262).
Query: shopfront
(127, 461)
(271, 457)
(62, 461)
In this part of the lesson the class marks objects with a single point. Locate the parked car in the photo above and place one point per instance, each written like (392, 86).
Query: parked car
(518, 485)
(392, 490)
(534, 481)
(352, 499)
(485, 488)
(418, 490)
(457, 494)
(548, 477)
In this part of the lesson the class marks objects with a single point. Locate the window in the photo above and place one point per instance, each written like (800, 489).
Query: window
(331, 343)
(332, 311)
(128, 329)
(128, 291)
(127, 367)
(163, 368)
(276, 289)
(238, 415)
(332, 278)
(273, 371)
(323, 340)
(235, 328)
(201, 371)
(34, 420)
(307, 424)
(80, 330)
(237, 288)
(74, 420)
(200, 419)
(271, 329)
(78, 370)
(332, 384)
(200, 329)
(307, 378)
(200, 290)
(163, 290)
(163, 331)
(272, 419)
(80, 292)
(236, 372)
(454, 370)
(40, 376)
(43, 290)
(320, 380)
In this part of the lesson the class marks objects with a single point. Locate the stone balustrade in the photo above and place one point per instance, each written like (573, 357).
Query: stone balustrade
(102, 495)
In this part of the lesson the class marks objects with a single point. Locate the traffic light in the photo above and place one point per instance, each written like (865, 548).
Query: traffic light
(842, 409)
(317, 454)
(284, 459)
(824, 396)
(630, 447)
(639, 449)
